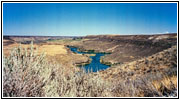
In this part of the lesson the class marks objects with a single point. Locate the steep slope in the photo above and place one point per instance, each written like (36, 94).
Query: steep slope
(164, 62)
(156, 73)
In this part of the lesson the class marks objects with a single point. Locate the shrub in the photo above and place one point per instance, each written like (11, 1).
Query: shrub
(22, 73)
(28, 74)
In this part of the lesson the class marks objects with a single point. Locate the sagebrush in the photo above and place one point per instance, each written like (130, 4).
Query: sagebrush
(26, 73)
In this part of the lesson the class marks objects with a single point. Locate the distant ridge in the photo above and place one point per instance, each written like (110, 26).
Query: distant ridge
(36, 36)
(130, 34)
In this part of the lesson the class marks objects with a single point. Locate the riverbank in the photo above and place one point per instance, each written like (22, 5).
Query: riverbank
(94, 64)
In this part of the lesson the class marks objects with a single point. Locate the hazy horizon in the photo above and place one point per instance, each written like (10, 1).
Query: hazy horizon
(89, 35)
(82, 19)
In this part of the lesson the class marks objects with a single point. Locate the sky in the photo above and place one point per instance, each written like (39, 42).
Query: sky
(81, 19)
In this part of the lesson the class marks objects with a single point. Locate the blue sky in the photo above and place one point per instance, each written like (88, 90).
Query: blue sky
(79, 19)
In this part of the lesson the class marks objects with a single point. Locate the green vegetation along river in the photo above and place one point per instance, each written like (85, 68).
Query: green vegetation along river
(95, 64)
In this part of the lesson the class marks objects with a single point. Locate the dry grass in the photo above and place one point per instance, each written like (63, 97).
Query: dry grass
(52, 49)
(168, 82)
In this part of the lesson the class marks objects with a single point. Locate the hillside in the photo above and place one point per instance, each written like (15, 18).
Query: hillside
(126, 48)
(156, 73)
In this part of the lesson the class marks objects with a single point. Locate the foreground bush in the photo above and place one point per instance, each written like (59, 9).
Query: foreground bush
(27, 74)
(22, 73)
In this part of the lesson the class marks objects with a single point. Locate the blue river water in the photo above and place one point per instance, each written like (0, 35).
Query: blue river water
(95, 64)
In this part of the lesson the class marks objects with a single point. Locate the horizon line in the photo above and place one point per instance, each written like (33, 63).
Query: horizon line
(91, 35)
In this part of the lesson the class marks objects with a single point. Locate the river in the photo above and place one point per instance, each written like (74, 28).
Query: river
(95, 64)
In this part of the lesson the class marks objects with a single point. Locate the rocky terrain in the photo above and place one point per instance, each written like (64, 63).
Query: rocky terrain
(126, 48)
